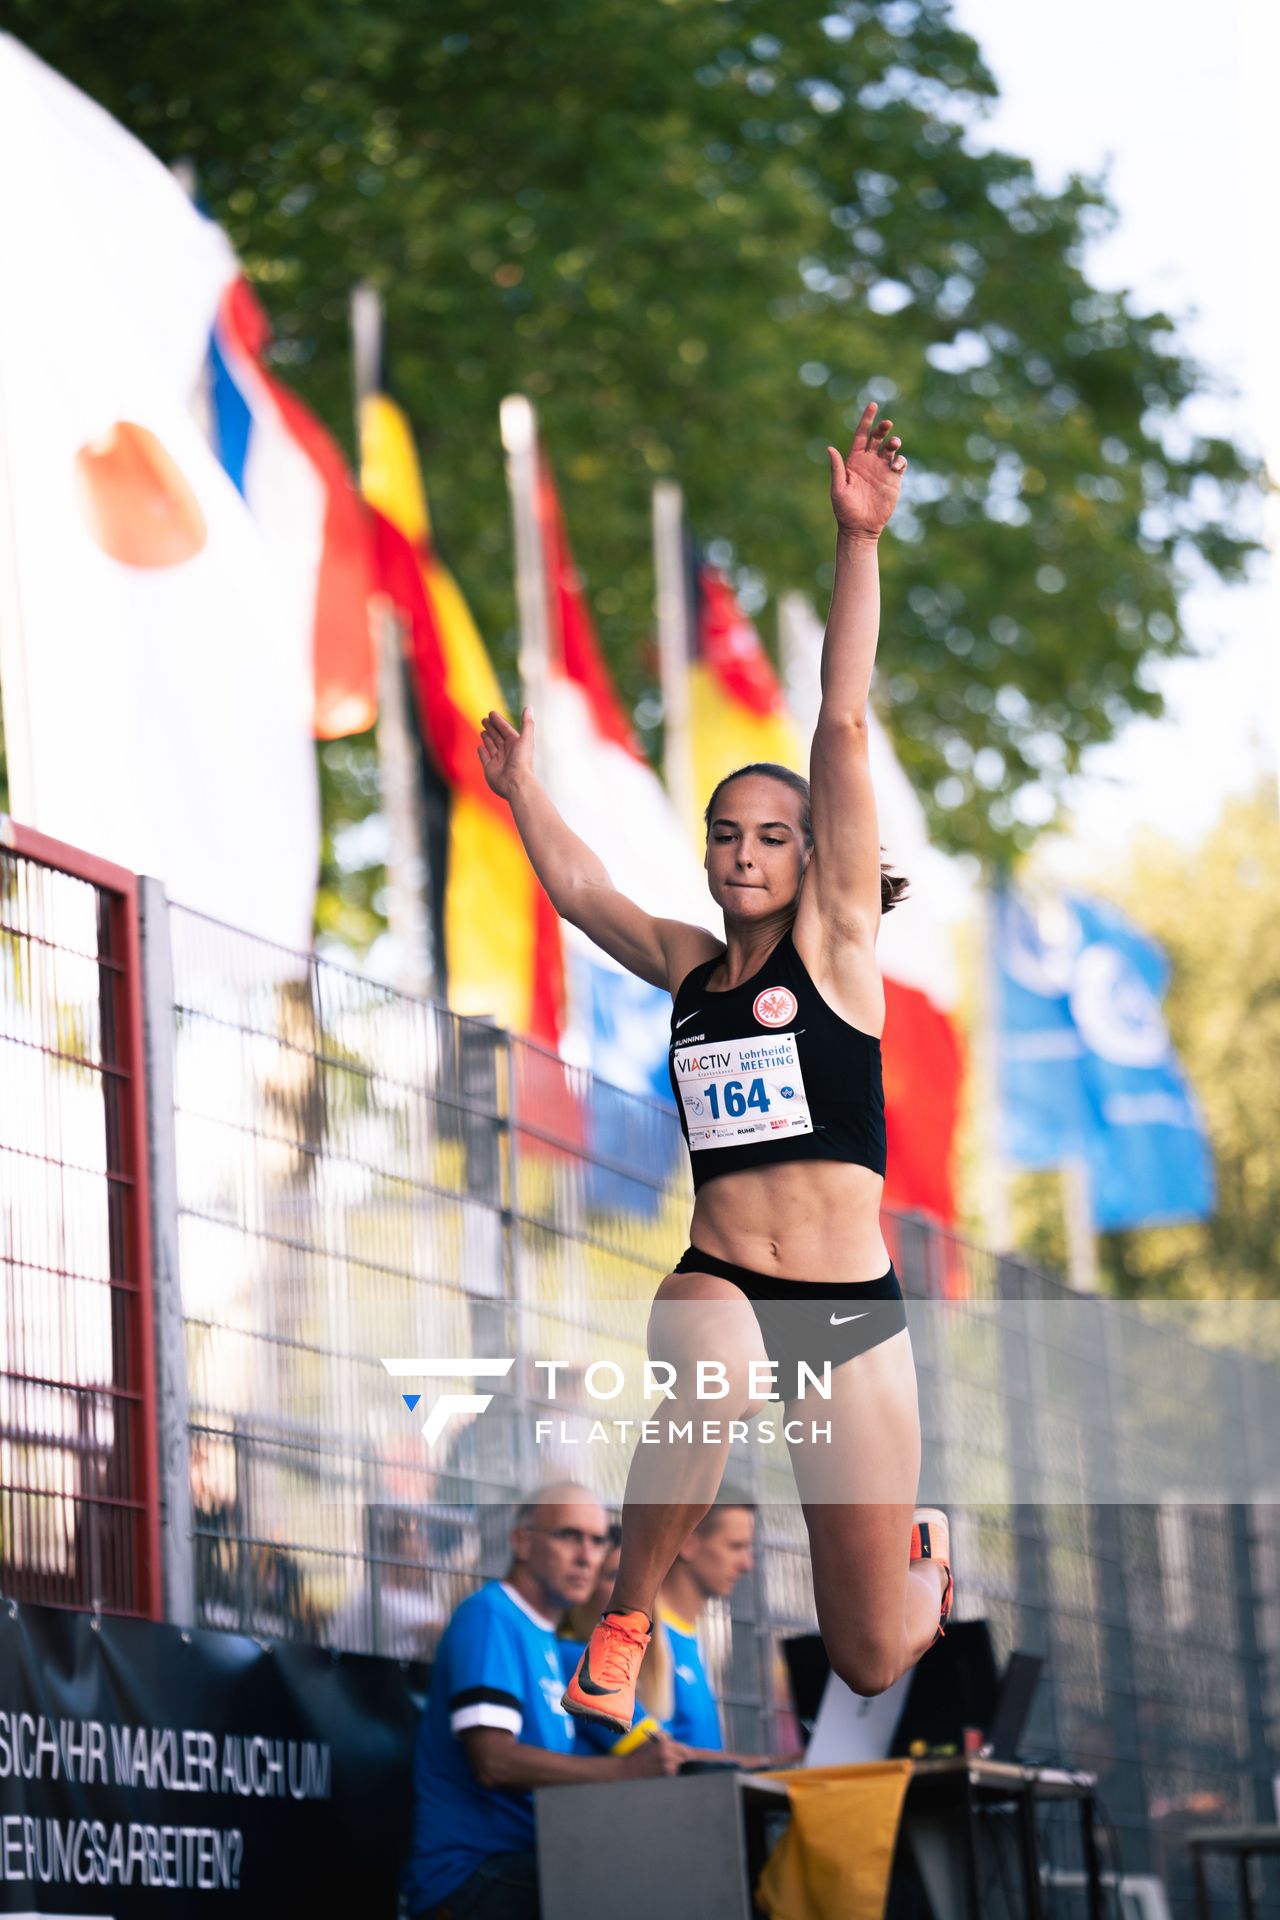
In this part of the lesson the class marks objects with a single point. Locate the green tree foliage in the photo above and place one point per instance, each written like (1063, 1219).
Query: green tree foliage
(699, 233)
(1217, 914)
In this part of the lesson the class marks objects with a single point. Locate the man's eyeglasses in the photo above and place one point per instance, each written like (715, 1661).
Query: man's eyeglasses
(576, 1536)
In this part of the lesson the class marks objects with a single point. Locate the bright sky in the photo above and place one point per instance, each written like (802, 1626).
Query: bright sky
(1172, 93)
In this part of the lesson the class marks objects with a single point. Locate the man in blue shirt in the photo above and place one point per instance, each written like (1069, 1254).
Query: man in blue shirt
(494, 1727)
(708, 1567)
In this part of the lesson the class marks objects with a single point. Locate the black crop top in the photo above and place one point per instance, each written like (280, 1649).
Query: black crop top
(766, 1071)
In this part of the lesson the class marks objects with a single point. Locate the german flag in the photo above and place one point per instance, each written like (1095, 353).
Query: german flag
(497, 930)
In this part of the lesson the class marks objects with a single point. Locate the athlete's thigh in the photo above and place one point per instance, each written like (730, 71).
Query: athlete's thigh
(872, 1452)
(858, 1490)
(701, 1317)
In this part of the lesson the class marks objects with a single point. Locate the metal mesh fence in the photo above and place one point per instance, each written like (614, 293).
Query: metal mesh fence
(359, 1175)
(77, 1499)
(363, 1175)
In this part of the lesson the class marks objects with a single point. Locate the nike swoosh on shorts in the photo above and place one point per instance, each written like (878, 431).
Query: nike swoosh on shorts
(845, 1318)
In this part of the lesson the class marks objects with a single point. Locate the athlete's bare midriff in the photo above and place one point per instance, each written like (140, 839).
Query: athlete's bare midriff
(803, 1220)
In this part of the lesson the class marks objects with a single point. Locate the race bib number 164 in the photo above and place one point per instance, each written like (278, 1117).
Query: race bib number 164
(733, 1091)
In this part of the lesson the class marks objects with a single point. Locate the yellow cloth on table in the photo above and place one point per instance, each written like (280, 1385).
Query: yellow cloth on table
(834, 1860)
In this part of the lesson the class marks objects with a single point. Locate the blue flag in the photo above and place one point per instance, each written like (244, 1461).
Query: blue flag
(637, 1141)
(630, 1028)
(1086, 1067)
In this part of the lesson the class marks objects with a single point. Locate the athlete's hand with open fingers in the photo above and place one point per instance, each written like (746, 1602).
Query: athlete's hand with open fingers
(505, 752)
(865, 485)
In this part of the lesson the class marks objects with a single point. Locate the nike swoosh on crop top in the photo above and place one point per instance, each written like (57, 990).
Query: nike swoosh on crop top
(768, 1072)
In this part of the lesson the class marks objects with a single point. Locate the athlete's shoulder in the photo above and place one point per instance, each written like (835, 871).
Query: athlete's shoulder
(844, 976)
(689, 950)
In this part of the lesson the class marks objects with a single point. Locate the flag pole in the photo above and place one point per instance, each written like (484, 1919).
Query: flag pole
(1077, 1211)
(801, 661)
(408, 870)
(518, 424)
(366, 343)
(674, 650)
(14, 695)
(519, 427)
(996, 1208)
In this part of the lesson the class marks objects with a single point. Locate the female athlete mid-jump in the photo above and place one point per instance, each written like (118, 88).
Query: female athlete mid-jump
(775, 1064)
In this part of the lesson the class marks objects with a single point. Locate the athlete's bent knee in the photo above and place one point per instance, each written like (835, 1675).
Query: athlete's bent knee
(867, 1671)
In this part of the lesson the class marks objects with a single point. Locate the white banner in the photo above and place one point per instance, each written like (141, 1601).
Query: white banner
(157, 699)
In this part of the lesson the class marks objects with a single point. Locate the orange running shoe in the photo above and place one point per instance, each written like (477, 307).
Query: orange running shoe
(931, 1540)
(604, 1686)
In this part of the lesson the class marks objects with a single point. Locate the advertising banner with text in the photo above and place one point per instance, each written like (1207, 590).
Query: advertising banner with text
(150, 1771)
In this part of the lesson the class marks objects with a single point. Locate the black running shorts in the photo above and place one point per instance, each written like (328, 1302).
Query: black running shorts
(811, 1320)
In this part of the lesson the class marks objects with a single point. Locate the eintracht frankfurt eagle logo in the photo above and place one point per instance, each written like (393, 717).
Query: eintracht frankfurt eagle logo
(775, 1006)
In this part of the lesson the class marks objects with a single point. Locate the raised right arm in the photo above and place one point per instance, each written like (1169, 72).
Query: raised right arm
(580, 890)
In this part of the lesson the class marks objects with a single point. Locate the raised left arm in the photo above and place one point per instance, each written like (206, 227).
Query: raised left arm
(843, 883)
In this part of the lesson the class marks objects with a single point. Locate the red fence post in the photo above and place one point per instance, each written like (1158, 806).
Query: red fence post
(125, 1104)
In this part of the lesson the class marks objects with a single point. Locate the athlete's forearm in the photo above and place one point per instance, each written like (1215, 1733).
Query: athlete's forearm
(560, 860)
(507, 1765)
(853, 627)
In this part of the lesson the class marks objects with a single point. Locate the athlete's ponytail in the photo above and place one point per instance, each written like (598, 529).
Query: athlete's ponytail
(893, 886)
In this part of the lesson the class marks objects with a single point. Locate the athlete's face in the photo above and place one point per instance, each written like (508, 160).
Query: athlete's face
(718, 1559)
(756, 852)
(561, 1550)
